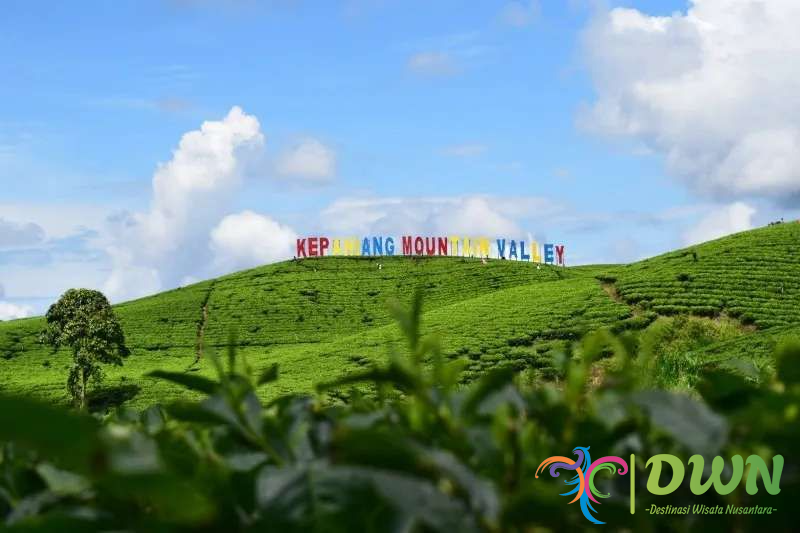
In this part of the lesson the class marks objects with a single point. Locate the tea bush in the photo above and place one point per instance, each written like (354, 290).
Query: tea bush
(411, 450)
(311, 316)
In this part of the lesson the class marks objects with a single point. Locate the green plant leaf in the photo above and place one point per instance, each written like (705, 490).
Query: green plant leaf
(686, 420)
(190, 381)
(788, 356)
(394, 374)
(61, 482)
(318, 498)
(269, 375)
(58, 434)
(492, 382)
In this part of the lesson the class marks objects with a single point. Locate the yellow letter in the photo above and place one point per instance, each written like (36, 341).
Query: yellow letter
(483, 246)
(536, 257)
(454, 244)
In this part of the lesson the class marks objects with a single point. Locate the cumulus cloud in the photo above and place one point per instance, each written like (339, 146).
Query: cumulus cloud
(57, 220)
(191, 194)
(248, 239)
(14, 234)
(310, 160)
(432, 63)
(10, 311)
(465, 215)
(713, 90)
(520, 14)
(722, 221)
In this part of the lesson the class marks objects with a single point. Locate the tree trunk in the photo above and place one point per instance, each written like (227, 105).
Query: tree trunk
(83, 389)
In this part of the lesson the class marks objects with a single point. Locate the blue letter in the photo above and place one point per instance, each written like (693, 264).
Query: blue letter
(501, 247)
(389, 246)
(377, 245)
(365, 246)
(548, 254)
(522, 255)
(512, 249)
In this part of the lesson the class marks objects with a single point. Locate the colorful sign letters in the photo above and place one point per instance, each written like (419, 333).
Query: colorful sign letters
(416, 245)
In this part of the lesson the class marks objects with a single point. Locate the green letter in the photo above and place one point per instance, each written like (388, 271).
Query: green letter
(717, 466)
(772, 484)
(655, 474)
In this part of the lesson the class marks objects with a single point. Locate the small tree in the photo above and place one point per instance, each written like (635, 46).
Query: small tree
(84, 321)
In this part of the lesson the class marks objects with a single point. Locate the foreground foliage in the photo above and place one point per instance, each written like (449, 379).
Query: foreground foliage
(410, 451)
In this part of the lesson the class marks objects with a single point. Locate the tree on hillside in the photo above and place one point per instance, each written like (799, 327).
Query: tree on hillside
(84, 321)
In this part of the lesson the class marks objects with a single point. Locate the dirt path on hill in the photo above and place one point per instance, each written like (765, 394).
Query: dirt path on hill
(201, 328)
(610, 288)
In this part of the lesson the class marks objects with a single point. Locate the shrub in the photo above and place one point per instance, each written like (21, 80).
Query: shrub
(411, 449)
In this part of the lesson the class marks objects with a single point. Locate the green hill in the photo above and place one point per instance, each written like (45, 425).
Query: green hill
(319, 318)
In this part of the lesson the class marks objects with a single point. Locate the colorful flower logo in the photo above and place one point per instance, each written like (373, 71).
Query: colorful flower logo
(585, 471)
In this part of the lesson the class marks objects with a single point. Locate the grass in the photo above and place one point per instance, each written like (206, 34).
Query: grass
(320, 318)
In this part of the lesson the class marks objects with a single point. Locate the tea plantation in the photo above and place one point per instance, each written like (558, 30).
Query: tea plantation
(321, 318)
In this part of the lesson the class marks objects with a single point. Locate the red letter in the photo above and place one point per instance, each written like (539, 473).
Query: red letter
(442, 245)
(419, 246)
(301, 247)
(407, 245)
(430, 245)
(560, 254)
(323, 245)
(312, 246)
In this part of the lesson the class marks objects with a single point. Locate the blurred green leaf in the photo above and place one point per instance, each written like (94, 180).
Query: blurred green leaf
(686, 420)
(788, 356)
(269, 375)
(319, 498)
(492, 382)
(409, 320)
(164, 496)
(395, 374)
(724, 390)
(60, 435)
(186, 411)
(61, 482)
(190, 381)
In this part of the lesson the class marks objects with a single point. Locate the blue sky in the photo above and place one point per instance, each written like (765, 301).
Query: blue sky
(418, 114)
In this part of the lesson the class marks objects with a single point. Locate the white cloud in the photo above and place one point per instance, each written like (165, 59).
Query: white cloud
(309, 160)
(722, 221)
(474, 216)
(14, 234)
(205, 164)
(465, 150)
(57, 220)
(130, 280)
(38, 265)
(520, 14)
(248, 239)
(191, 192)
(713, 90)
(432, 63)
(10, 311)
(464, 215)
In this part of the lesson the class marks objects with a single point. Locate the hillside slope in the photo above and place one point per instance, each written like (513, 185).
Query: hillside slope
(319, 318)
(753, 276)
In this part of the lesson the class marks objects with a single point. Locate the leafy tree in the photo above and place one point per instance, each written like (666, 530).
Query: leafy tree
(84, 321)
